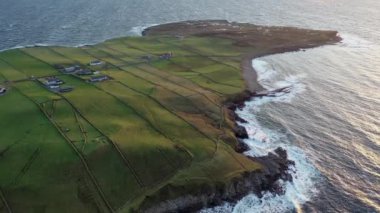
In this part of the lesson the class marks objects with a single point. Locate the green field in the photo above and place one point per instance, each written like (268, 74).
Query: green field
(157, 129)
(106, 146)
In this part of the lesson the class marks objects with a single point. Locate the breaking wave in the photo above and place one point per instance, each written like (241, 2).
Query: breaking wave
(137, 31)
(263, 140)
(353, 41)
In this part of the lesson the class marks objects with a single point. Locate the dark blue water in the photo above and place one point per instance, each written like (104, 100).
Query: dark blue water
(329, 123)
(73, 22)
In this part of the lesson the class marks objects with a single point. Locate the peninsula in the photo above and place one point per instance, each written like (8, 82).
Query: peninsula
(137, 124)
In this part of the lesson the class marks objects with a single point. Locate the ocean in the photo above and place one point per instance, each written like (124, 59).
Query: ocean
(329, 122)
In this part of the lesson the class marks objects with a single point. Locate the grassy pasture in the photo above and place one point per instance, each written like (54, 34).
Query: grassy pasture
(154, 46)
(210, 46)
(163, 120)
(119, 45)
(106, 146)
(73, 54)
(64, 116)
(38, 170)
(47, 55)
(10, 73)
(125, 128)
(27, 64)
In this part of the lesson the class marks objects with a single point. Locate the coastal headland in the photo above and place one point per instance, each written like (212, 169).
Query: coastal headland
(138, 124)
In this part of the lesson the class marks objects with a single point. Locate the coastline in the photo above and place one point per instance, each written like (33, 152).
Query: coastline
(222, 174)
(275, 164)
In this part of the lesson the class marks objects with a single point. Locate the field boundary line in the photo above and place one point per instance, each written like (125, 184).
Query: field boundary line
(83, 131)
(81, 157)
(27, 165)
(173, 113)
(85, 164)
(169, 74)
(187, 68)
(5, 202)
(154, 98)
(125, 160)
(120, 153)
(133, 47)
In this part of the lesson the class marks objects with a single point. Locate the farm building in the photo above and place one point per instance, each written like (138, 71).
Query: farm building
(65, 89)
(84, 72)
(2, 90)
(99, 78)
(96, 63)
(70, 69)
(51, 81)
(54, 86)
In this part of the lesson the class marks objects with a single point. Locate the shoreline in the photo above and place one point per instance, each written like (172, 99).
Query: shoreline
(275, 165)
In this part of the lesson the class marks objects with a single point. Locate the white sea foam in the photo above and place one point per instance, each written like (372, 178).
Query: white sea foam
(25, 46)
(137, 31)
(39, 45)
(263, 140)
(264, 72)
(353, 41)
(271, 79)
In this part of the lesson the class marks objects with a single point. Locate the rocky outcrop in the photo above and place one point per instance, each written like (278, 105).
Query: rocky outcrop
(240, 132)
(238, 102)
(275, 167)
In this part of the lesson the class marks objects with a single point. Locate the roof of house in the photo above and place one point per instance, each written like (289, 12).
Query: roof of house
(71, 68)
(96, 62)
(85, 71)
(66, 89)
(99, 77)
(52, 80)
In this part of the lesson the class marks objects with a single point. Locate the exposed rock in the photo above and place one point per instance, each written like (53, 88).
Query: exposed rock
(241, 147)
(235, 117)
(275, 168)
(240, 132)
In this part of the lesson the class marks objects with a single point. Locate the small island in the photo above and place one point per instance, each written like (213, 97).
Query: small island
(138, 124)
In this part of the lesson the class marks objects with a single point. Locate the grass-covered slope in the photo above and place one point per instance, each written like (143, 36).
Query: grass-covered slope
(108, 146)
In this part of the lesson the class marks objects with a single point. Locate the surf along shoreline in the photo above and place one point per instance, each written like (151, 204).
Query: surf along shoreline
(264, 41)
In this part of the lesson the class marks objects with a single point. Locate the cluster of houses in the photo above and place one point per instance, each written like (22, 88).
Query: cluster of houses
(75, 69)
(78, 70)
(3, 90)
(55, 84)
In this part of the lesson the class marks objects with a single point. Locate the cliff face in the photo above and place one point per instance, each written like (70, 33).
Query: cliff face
(275, 167)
